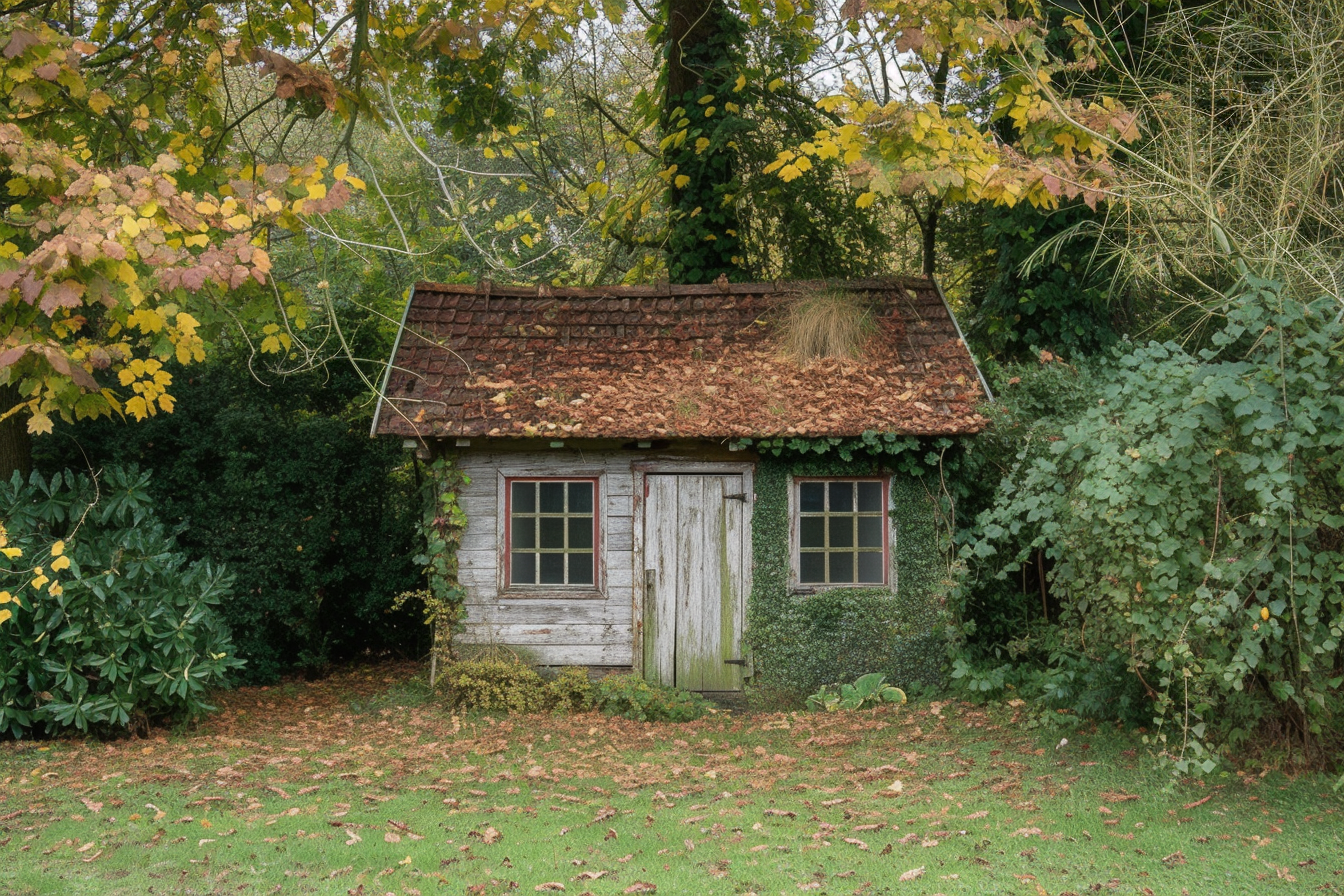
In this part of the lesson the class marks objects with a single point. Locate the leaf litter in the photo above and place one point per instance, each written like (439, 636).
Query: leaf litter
(732, 803)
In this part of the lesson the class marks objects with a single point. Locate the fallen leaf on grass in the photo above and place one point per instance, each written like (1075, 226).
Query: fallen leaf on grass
(640, 886)
(592, 875)
(1176, 858)
(549, 885)
(1117, 796)
(487, 836)
(855, 841)
(912, 874)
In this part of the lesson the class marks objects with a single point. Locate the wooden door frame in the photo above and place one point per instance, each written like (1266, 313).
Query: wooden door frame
(641, 469)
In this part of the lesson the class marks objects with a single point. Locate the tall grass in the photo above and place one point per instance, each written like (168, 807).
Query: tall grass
(827, 324)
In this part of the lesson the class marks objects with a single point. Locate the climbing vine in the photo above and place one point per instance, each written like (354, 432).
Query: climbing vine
(442, 527)
(800, 641)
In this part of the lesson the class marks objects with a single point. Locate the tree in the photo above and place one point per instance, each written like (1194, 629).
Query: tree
(961, 109)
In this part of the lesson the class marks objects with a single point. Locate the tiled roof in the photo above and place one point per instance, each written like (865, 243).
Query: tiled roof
(669, 361)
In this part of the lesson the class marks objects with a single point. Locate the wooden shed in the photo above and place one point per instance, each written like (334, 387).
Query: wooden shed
(608, 435)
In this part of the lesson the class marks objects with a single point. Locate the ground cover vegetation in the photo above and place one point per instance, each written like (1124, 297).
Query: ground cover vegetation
(1136, 208)
(364, 781)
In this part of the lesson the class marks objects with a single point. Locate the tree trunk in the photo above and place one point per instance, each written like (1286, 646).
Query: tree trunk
(702, 50)
(16, 444)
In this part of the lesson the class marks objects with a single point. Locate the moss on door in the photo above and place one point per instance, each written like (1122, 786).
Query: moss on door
(801, 641)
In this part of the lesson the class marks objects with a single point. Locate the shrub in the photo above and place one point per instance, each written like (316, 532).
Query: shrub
(111, 627)
(571, 690)
(497, 685)
(631, 697)
(1191, 520)
(316, 520)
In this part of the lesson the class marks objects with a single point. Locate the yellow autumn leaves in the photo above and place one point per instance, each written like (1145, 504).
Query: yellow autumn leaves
(39, 578)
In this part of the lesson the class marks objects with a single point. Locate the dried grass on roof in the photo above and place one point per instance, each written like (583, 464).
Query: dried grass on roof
(828, 323)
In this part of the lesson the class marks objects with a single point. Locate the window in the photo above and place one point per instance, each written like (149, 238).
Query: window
(842, 526)
(552, 531)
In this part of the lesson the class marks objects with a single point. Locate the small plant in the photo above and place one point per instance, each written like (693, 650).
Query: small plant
(497, 684)
(631, 697)
(571, 690)
(869, 691)
(827, 324)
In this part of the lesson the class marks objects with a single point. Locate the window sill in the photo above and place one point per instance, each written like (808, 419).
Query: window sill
(544, 593)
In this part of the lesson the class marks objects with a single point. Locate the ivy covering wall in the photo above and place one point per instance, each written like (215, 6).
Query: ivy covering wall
(799, 642)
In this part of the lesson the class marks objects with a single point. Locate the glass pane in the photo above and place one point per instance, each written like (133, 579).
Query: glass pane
(870, 496)
(552, 569)
(524, 569)
(524, 533)
(812, 532)
(812, 497)
(581, 532)
(842, 567)
(552, 497)
(842, 531)
(870, 531)
(842, 497)
(552, 531)
(870, 567)
(812, 567)
(524, 497)
(580, 569)
(580, 497)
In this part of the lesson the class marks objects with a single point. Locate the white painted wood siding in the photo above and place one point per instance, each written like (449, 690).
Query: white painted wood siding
(591, 627)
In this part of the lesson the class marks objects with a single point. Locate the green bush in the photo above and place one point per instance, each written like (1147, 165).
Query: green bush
(497, 685)
(1191, 520)
(631, 697)
(109, 626)
(571, 690)
(279, 482)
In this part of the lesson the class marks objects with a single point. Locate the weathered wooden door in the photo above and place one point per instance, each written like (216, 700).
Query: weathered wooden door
(695, 546)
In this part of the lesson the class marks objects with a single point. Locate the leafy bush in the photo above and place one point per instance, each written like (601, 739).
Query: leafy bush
(111, 625)
(631, 697)
(497, 685)
(1192, 520)
(316, 520)
(571, 690)
(869, 691)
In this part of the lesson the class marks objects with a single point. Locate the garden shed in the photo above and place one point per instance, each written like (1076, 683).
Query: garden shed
(638, 491)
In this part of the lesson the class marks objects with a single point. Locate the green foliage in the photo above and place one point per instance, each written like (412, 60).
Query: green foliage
(497, 684)
(571, 690)
(631, 697)
(869, 691)
(800, 641)
(315, 519)
(112, 625)
(1062, 303)
(443, 523)
(1193, 519)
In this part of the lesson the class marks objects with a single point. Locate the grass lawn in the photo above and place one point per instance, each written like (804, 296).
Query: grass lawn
(361, 784)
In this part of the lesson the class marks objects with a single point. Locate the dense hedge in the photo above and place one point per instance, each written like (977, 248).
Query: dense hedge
(315, 518)
(799, 642)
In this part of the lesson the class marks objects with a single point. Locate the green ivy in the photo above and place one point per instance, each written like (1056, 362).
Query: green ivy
(442, 527)
(799, 642)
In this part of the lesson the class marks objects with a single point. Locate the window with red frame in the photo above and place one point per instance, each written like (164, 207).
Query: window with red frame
(552, 532)
(842, 532)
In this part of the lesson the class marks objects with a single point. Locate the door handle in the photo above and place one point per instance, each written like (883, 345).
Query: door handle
(742, 496)
(735, 662)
